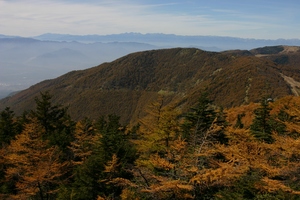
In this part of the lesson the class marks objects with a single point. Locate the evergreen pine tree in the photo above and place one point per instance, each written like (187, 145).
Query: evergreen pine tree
(8, 126)
(115, 143)
(220, 120)
(92, 178)
(239, 124)
(261, 126)
(54, 119)
(198, 120)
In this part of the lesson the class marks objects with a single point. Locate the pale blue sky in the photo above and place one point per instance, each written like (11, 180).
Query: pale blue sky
(260, 19)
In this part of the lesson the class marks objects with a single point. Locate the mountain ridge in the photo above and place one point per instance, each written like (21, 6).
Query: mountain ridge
(208, 42)
(30, 56)
(220, 43)
(26, 61)
(126, 86)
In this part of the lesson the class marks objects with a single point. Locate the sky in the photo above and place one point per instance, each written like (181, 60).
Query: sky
(258, 19)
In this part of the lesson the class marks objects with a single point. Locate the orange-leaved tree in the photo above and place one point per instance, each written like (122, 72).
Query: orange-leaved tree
(34, 164)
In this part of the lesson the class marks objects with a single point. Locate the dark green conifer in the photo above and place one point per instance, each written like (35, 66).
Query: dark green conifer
(199, 119)
(239, 124)
(8, 126)
(55, 120)
(220, 120)
(90, 179)
(261, 126)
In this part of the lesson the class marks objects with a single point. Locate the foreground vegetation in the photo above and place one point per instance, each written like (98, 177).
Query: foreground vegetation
(247, 152)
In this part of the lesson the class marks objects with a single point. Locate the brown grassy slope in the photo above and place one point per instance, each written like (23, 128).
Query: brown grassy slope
(287, 57)
(127, 85)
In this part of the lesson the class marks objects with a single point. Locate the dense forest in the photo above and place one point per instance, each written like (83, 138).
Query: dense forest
(246, 152)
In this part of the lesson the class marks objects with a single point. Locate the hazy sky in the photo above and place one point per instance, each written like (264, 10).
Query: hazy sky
(263, 19)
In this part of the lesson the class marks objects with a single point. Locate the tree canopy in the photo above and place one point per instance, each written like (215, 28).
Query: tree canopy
(247, 152)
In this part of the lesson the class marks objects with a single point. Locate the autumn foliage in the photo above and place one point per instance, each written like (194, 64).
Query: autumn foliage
(247, 152)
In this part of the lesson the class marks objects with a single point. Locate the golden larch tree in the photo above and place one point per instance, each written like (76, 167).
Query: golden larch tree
(34, 164)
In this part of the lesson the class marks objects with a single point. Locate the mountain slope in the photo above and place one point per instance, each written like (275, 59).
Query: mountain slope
(26, 61)
(129, 84)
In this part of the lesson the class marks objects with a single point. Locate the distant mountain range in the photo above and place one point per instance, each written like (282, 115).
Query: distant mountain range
(213, 43)
(129, 84)
(26, 61)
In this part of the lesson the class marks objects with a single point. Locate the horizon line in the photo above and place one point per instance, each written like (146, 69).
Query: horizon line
(144, 34)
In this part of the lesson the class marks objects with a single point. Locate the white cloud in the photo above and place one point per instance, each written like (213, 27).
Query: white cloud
(33, 17)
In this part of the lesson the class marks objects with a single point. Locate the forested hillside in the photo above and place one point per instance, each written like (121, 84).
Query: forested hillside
(244, 152)
(127, 85)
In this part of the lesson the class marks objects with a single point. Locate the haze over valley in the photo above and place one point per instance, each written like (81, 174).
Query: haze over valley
(27, 61)
(47, 39)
